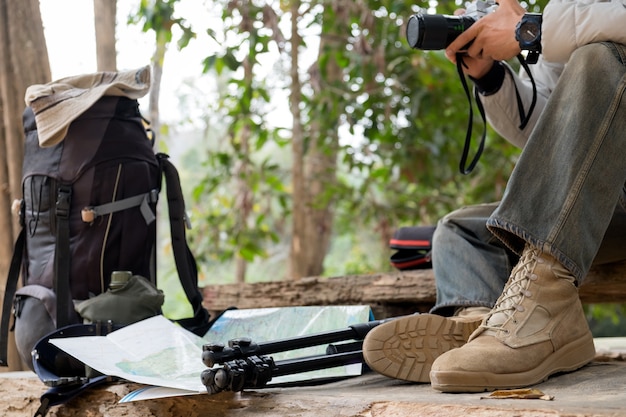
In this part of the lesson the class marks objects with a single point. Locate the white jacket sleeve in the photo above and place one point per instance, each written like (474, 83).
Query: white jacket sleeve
(502, 110)
(569, 24)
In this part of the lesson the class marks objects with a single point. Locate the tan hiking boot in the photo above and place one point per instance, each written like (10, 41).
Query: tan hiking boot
(472, 313)
(405, 348)
(537, 328)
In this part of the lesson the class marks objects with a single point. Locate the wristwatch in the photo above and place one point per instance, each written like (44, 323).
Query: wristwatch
(528, 34)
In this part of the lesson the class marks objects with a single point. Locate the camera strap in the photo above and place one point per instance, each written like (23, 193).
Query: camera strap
(524, 116)
(463, 167)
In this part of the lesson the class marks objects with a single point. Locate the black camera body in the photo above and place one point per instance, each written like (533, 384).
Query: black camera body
(437, 31)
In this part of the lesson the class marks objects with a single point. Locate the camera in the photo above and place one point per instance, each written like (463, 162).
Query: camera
(437, 31)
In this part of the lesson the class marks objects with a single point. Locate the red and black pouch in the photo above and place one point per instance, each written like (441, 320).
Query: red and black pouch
(413, 247)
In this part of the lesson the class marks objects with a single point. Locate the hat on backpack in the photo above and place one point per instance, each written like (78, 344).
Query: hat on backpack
(58, 103)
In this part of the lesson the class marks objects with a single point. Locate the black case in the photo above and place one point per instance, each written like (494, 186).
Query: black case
(413, 247)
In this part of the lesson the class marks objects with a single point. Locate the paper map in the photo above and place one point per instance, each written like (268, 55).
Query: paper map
(160, 353)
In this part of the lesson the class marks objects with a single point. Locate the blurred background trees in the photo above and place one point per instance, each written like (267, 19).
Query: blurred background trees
(310, 133)
(370, 140)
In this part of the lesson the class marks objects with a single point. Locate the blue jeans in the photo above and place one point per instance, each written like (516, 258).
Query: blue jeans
(565, 196)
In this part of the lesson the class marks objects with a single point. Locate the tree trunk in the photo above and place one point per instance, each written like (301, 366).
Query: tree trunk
(245, 197)
(155, 90)
(315, 167)
(23, 62)
(297, 149)
(104, 12)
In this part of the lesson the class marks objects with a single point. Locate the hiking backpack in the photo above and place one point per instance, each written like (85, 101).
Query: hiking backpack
(88, 209)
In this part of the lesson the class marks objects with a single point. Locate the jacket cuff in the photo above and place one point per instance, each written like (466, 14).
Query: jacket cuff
(491, 82)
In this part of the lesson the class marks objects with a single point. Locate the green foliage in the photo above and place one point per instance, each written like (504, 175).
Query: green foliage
(218, 234)
(355, 252)
(159, 16)
(244, 165)
(606, 320)
(401, 116)
(408, 113)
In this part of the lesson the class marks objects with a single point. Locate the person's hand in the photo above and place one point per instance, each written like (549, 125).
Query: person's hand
(492, 38)
(474, 67)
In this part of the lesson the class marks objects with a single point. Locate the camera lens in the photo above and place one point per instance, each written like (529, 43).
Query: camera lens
(435, 31)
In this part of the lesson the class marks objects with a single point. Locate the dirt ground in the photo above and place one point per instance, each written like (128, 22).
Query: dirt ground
(597, 390)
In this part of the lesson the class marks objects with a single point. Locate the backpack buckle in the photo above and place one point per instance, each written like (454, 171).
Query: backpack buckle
(64, 197)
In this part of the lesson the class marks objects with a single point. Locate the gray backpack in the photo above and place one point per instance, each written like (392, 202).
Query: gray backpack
(88, 210)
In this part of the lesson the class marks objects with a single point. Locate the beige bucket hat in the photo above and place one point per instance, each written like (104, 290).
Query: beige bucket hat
(60, 102)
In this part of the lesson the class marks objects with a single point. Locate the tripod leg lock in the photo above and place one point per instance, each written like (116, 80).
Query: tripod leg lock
(252, 372)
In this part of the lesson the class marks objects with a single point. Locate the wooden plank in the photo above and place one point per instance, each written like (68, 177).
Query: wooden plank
(389, 294)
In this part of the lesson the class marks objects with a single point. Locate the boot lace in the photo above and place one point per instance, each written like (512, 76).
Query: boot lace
(514, 291)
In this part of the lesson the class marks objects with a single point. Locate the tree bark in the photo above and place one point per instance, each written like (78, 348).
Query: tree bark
(104, 12)
(313, 211)
(297, 149)
(155, 90)
(23, 62)
(244, 195)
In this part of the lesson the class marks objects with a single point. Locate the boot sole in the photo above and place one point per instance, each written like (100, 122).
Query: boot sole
(569, 358)
(405, 348)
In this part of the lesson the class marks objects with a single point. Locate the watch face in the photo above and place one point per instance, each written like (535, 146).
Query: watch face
(529, 32)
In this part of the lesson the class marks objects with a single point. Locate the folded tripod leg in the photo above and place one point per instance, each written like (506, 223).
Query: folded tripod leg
(257, 371)
(216, 353)
(246, 364)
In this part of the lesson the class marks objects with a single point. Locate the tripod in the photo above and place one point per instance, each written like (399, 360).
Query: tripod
(245, 364)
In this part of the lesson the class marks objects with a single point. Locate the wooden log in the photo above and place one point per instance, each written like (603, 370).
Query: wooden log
(412, 290)
(604, 284)
(389, 294)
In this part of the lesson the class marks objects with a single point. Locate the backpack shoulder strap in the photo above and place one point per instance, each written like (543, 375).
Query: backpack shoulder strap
(60, 395)
(9, 293)
(184, 259)
(62, 257)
